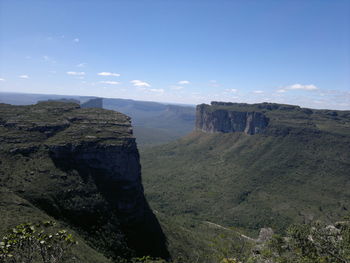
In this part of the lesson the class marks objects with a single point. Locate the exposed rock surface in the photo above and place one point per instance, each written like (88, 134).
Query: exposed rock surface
(80, 166)
(265, 234)
(210, 119)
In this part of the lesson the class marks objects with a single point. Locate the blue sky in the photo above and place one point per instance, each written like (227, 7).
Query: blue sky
(184, 51)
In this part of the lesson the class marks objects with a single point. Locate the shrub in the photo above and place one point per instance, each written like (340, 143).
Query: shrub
(30, 242)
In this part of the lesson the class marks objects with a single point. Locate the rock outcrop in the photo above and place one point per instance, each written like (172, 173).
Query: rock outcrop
(220, 118)
(80, 166)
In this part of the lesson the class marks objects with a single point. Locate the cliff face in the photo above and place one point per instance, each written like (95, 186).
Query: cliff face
(80, 166)
(211, 119)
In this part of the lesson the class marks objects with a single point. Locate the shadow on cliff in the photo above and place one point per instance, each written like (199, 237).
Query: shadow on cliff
(147, 237)
(114, 212)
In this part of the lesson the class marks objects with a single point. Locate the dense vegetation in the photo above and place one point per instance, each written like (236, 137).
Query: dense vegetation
(249, 181)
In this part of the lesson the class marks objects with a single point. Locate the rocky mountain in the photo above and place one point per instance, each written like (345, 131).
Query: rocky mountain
(80, 167)
(254, 165)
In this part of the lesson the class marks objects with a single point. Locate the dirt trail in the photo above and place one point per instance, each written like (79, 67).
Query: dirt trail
(228, 229)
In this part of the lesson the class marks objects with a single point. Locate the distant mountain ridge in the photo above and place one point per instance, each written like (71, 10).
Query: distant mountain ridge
(93, 103)
(153, 122)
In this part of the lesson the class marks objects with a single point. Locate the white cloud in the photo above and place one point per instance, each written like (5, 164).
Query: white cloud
(258, 91)
(177, 87)
(23, 77)
(139, 83)
(81, 65)
(157, 90)
(232, 90)
(302, 87)
(183, 82)
(310, 87)
(2, 79)
(108, 74)
(110, 82)
(74, 73)
(76, 40)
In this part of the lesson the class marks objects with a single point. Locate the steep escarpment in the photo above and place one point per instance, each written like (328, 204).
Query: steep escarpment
(269, 119)
(80, 167)
(223, 120)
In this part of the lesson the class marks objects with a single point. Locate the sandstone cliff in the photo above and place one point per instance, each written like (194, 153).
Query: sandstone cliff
(80, 166)
(220, 119)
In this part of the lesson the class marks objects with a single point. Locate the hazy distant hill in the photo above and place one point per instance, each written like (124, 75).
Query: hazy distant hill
(93, 103)
(154, 123)
(295, 168)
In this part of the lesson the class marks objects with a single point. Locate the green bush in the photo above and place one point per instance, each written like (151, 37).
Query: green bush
(316, 242)
(38, 242)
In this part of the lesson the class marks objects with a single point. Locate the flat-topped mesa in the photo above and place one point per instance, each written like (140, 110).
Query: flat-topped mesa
(217, 117)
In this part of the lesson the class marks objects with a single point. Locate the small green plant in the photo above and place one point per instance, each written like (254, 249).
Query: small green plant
(230, 248)
(37, 242)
